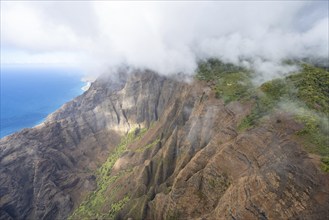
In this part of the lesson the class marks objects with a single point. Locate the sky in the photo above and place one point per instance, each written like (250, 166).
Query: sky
(167, 37)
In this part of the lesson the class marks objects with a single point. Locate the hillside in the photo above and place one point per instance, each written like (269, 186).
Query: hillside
(143, 146)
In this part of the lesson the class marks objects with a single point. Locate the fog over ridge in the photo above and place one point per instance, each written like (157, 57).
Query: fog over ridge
(167, 37)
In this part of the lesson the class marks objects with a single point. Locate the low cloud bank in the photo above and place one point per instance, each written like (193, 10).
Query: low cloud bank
(167, 37)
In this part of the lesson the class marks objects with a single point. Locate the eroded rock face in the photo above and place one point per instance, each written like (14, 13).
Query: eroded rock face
(45, 170)
(204, 169)
(196, 164)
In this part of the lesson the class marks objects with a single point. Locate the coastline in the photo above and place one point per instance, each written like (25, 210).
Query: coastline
(88, 80)
(86, 87)
(69, 93)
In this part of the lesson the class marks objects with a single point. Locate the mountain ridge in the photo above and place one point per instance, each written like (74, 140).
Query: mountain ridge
(181, 156)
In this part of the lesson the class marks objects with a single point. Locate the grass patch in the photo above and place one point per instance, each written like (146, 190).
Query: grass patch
(313, 87)
(233, 86)
(308, 89)
(266, 97)
(211, 69)
(220, 182)
(151, 145)
(116, 207)
(93, 205)
(231, 82)
(314, 133)
(325, 164)
(174, 215)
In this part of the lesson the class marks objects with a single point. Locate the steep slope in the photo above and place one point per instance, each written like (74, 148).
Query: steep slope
(45, 170)
(143, 146)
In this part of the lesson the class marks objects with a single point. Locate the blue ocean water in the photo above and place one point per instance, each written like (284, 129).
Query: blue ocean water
(28, 95)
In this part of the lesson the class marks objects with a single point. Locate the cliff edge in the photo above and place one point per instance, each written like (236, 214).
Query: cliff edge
(145, 146)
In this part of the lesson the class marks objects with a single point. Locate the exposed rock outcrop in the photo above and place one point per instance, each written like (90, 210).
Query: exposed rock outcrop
(191, 163)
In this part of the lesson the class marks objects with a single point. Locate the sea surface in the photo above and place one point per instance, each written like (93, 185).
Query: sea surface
(28, 95)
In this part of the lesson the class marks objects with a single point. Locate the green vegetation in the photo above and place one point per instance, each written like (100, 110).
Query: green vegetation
(116, 207)
(313, 87)
(232, 82)
(309, 93)
(213, 68)
(221, 183)
(266, 97)
(305, 94)
(174, 215)
(143, 148)
(325, 164)
(233, 86)
(315, 132)
(93, 206)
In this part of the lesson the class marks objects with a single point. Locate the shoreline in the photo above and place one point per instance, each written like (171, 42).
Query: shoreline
(86, 87)
(88, 80)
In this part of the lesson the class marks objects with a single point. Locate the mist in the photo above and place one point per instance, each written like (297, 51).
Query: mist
(166, 37)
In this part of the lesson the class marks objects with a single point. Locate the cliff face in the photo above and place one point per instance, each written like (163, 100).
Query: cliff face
(180, 157)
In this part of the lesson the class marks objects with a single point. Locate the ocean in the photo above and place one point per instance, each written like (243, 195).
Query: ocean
(28, 95)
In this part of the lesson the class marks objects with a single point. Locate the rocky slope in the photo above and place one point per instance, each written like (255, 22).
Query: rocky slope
(144, 146)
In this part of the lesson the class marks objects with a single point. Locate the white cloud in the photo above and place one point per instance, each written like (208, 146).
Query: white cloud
(164, 36)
